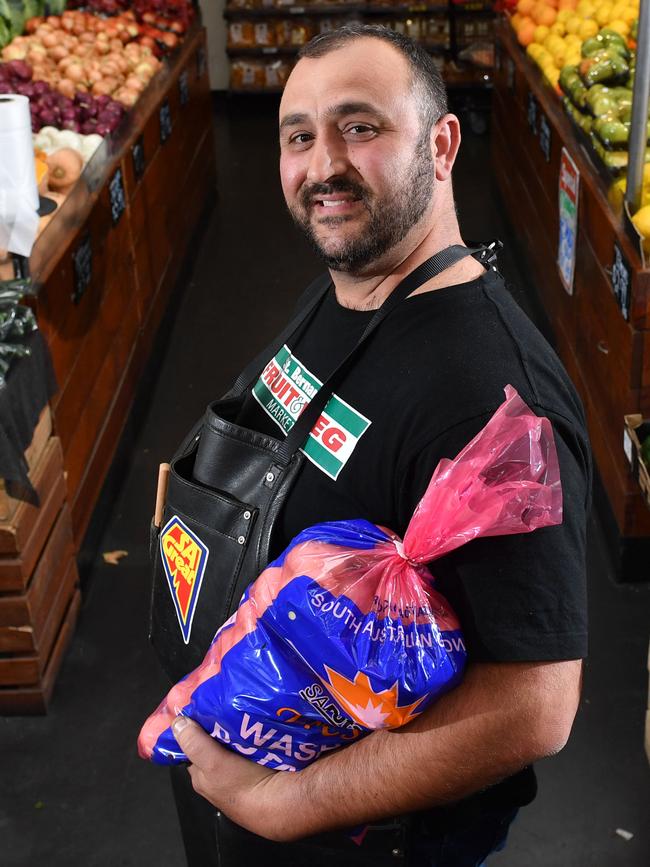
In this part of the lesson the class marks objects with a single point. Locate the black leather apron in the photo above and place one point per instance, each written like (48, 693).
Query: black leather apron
(227, 487)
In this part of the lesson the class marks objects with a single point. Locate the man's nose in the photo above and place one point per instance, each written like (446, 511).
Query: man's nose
(328, 158)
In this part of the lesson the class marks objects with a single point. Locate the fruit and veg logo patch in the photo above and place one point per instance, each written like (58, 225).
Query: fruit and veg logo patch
(184, 557)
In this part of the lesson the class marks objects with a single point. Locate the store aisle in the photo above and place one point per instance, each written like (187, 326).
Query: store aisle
(73, 791)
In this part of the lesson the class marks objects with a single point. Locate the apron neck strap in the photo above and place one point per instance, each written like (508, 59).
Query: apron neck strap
(424, 272)
(314, 292)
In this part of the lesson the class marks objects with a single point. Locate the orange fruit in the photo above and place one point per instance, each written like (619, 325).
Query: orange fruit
(567, 4)
(526, 32)
(547, 16)
(524, 7)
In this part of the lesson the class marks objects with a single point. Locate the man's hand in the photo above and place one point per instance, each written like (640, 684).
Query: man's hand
(246, 792)
(502, 717)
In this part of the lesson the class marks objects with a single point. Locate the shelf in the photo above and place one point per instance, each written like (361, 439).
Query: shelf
(255, 91)
(336, 9)
(292, 50)
(263, 50)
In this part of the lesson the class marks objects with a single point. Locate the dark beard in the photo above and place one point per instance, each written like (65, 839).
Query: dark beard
(390, 219)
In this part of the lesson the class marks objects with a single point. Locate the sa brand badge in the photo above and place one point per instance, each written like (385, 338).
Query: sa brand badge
(184, 558)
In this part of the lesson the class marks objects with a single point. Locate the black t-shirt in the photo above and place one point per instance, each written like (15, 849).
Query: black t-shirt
(426, 382)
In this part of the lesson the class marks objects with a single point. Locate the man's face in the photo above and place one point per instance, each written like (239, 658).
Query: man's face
(356, 170)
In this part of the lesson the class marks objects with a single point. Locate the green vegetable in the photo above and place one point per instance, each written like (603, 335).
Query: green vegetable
(577, 93)
(568, 76)
(614, 40)
(615, 161)
(604, 106)
(16, 321)
(625, 113)
(605, 67)
(606, 39)
(16, 17)
(56, 7)
(582, 120)
(5, 35)
(613, 134)
(33, 8)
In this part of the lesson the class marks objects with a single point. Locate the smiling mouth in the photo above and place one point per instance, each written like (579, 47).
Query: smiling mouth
(335, 205)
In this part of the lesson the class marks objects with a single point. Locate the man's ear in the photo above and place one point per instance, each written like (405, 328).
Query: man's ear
(445, 141)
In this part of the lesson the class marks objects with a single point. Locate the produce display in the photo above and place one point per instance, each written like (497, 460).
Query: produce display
(82, 69)
(586, 52)
(82, 53)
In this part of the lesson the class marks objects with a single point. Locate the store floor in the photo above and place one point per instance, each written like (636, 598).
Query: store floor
(73, 792)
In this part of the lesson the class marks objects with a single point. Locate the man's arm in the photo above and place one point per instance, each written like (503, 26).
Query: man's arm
(502, 717)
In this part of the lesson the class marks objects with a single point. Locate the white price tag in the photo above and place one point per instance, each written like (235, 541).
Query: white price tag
(628, 448)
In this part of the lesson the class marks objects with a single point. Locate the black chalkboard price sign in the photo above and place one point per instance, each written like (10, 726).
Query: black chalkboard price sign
(621, 281)
(531, 112)
(183, 87)
(117, 197)
(82, 263)
(165, 116)
(544, 134)
(137, 155)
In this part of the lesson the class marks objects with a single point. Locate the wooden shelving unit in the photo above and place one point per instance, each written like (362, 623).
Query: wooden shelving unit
(602, 337)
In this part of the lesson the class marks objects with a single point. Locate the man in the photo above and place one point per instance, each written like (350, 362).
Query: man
(367, 151)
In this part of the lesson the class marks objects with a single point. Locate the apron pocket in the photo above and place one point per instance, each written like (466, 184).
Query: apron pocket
(196, 566)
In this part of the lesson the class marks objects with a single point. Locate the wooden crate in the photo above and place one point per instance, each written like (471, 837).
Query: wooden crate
(33, 454)
(24, 615)
(34, 699)
(25, 533)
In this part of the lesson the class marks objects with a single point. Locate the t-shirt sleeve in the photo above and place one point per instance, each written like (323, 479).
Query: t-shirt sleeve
(520, 597)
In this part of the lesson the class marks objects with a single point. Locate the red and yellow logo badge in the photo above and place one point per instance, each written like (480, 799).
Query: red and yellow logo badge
(184, 558)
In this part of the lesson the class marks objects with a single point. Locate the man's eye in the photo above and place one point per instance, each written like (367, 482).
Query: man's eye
(301, 138)
(359, 130)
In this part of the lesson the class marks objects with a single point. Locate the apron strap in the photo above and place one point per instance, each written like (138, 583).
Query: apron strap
(249, 374)
(428, 269)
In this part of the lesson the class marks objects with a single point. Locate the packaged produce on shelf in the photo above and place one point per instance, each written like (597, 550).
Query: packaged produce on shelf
(258, 74)
(302, 31)
(264, 33)
(414, 28)
(437, 30)
(241, 34)
(480, 54)
(283, 32)
(276, 73)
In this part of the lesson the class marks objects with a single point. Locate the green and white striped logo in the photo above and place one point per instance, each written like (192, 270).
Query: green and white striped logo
(285, 388)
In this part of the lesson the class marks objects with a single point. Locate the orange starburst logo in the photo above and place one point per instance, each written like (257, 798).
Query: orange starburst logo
(373, 710)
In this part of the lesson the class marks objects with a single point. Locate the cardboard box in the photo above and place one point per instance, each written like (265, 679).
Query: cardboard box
(636, 430)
